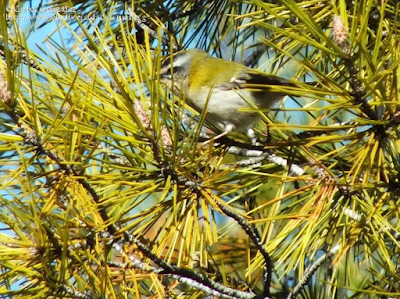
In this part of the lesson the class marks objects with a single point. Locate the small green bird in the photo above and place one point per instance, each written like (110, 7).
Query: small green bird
(224, 88)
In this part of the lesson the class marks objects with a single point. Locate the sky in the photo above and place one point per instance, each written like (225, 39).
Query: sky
(31, 15)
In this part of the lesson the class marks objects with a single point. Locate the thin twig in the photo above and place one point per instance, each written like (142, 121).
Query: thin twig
(139, 22)
(75, 294)
(257, 156)
(253, 234)
(311, 270)
(187, 276)
(252, 59)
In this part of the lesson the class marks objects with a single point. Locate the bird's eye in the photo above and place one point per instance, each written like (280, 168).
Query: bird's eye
(167, 73)
(177, 69)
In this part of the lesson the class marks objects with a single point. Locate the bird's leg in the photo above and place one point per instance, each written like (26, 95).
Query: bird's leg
(252, 136)
(228, 128)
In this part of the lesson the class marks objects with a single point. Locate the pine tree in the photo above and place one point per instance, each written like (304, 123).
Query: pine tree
(108, 189)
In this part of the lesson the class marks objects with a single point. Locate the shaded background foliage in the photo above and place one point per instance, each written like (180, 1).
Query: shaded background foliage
(106, 192)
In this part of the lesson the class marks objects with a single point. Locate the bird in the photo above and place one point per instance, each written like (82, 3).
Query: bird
(225, 89)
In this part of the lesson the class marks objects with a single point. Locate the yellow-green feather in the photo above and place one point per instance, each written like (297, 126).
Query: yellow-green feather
(209, 70)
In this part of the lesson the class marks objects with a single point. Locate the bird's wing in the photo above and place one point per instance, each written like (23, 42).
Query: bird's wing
(253, 79)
